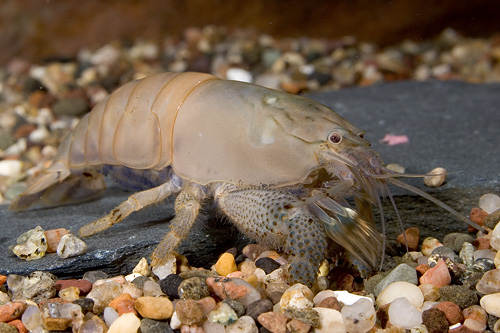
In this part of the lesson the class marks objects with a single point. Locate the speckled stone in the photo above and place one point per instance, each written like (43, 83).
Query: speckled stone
(452, 312)
(435, 320)
(238, 307)
(193, 288)
(189, 312)
(6, 328)
(37, 286)
(155, 326)
(460, 295)
(307, 315)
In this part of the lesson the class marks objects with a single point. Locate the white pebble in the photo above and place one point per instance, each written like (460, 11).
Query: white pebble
(110, 315)
(239, 74)
(39, 135)
(10, 168)
(404, 314)
(396, 289)
(175, 323)
(395, 167)
(360, 316)
(429, 244)
(435, 178)
(126, 323)
(489, 202)
(347, 298)
(491, 304)
(131, 277)
(71, 246)
(295, 297)
(244, 324)
(169, 267)
(31, 317)
(210, 327)
(330, 321)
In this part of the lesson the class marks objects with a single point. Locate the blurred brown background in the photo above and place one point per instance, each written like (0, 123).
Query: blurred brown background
(39, 29)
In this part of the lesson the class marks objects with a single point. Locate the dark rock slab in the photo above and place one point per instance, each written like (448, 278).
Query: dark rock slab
(450, 124)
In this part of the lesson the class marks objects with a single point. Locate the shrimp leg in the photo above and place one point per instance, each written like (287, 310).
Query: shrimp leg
(187, 207)
(135, 202)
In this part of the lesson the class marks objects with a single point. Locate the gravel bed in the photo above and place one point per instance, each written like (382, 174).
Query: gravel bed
(449, 284)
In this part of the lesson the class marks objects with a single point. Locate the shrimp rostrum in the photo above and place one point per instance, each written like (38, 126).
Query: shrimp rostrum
(279, 166)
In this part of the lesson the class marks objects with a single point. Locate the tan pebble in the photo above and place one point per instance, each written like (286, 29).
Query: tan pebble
(126, 323)
(412, 238)
(70, 294)
(123, 304)
(491, 304)
(438, 275)
(158, 308)
(430, 292)
(207, 304)
(429, 244)
(12, 310)
(56, 324)
(476, 215)
(53, 237)
(247, 266)
(142, 268)
(275, 322)
(435, 178)
(71, 246)
(189, 312)
(395, 167)
(32, 244)
(330, 321)
(297, 326)
(225, 264)
(496, 260)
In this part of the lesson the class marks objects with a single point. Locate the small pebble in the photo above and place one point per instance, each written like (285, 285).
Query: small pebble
(274, 322)
(452, 312)
(330, 321)
(154, 326)
(460, 295)
(489, 202)
(32, 245)
(435, 178)
(69, 294)
(398, 289)
(222, 314)
(170, 285)
(103, 294)
(12, 310)
(437, 275)
(189, 312)
(193, 288)
(404, 314)
(226, 264)
(71, 246)
(86, 304)
(267, 264)
(110, 315)
(152, 288)
(126, 323)
(124, 303)
(455, 241)
(236, 289)
(93, 276)
(359, 317)
(31, 317)
(429, 244)
(412, 236)
(6, 328)
(84, 286)
(142, 268)
(297, 326)
(491, 304)
(402, 272)
(37, 286)
(244, 324)
(435, 320)
(258, 307)
(158, 308)
(238, 307)
(53, 237)
(430, 292)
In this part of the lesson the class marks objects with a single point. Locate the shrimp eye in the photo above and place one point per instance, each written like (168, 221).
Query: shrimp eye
(335, 137)
(362, 135)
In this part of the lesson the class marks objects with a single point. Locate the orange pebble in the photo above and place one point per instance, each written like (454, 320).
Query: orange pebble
(123, 304)
(18, 324)
(3, 278)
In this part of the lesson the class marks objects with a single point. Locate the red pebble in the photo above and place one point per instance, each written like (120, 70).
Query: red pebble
(421, 269)
(481, 243)
(225, 288)
(12, 310)
(476, 215)
(84, 285)
(437, 275)
(18, 324)
(452, 312)
(412, 238)
(123, 304)
(3, 278)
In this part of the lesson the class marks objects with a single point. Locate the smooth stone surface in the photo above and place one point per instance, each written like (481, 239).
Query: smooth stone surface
(126, 323)
(401, 289)
(330, 321)
(403, 313)
(491, 304)
(447, 114)
(402, 272)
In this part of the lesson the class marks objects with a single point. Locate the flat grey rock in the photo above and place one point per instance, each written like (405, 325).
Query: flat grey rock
(454, 125)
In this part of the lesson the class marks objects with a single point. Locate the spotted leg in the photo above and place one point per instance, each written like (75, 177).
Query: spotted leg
(270, 217)
(187, 207)
(134, 203)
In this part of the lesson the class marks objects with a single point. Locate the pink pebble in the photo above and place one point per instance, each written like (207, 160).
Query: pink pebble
(437, 275)
(393, 140)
